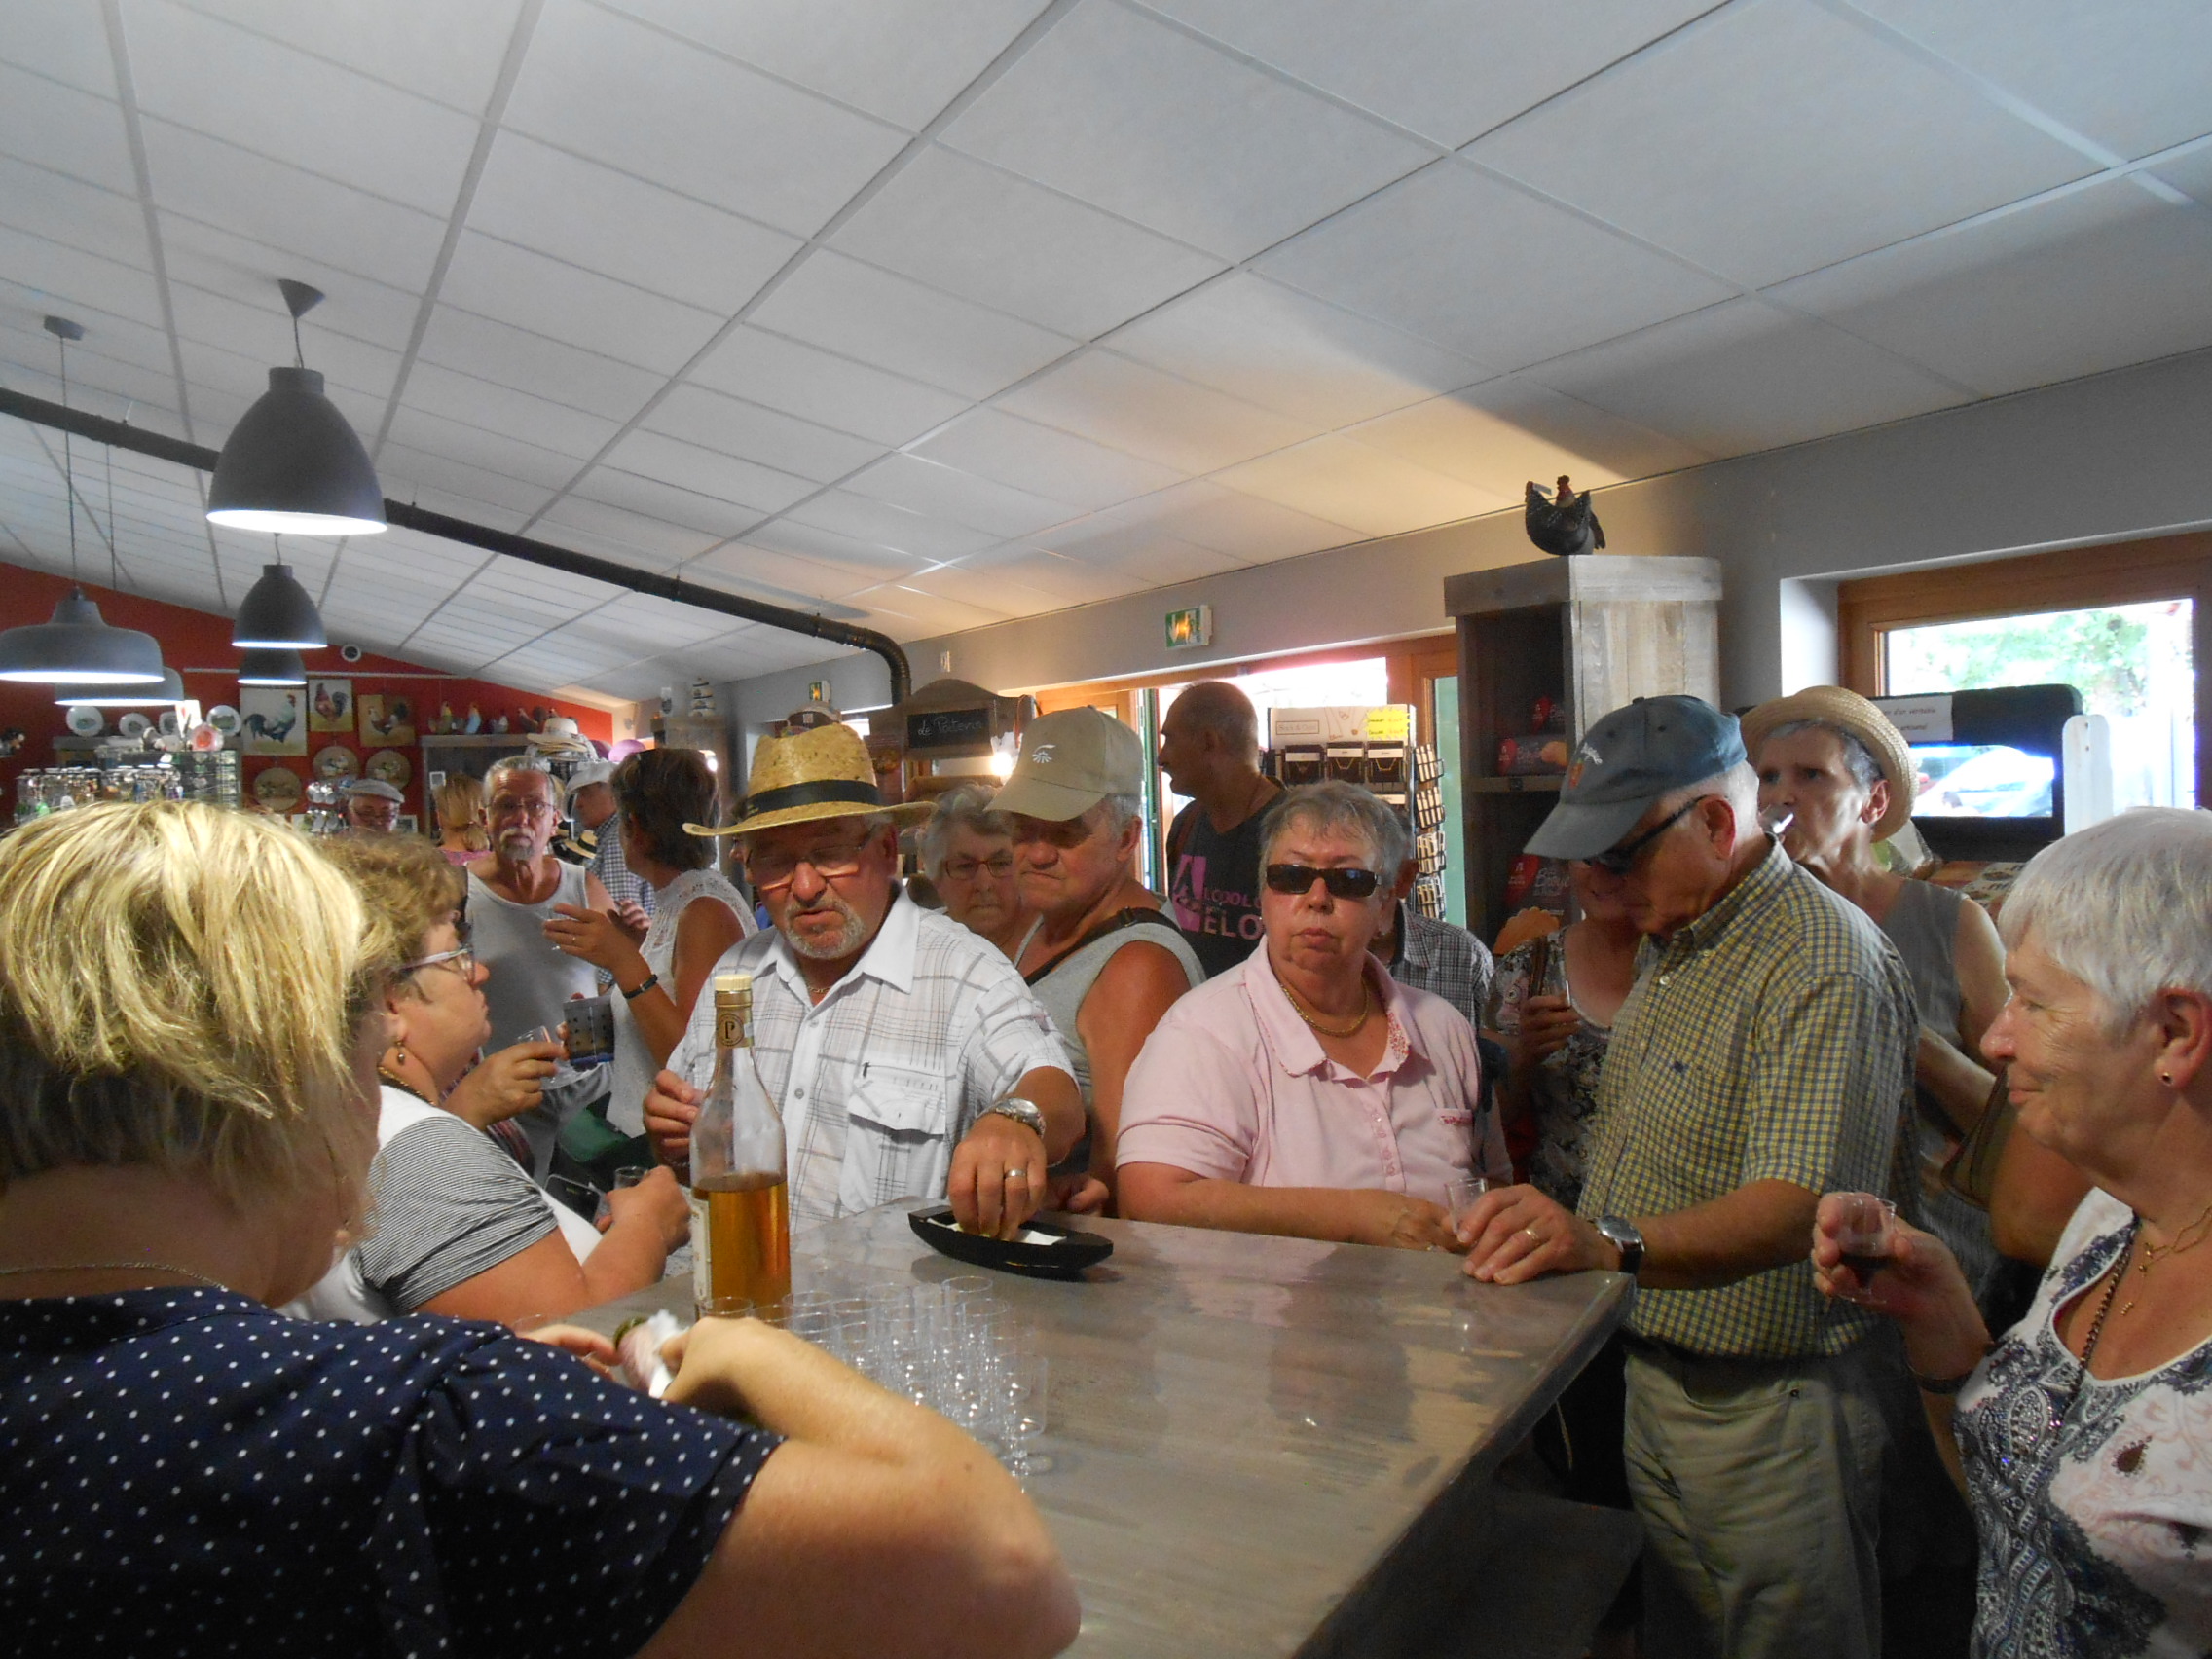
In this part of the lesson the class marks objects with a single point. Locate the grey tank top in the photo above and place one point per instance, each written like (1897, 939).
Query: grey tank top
(530, 985)
(1062, 986)
(1924, 925)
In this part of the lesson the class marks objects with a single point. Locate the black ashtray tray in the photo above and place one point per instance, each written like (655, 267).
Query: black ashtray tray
(1064, 1254)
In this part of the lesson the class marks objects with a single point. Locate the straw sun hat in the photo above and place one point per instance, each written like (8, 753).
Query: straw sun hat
(1832, 705)
(811, 775)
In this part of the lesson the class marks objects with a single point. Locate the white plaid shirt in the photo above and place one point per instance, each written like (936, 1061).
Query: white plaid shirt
(881, 1079)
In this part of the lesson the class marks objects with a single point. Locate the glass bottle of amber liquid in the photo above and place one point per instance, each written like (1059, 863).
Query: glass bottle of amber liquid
(741, 1225)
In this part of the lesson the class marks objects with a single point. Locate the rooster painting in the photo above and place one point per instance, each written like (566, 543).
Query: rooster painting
(1563, 522)
(272, 722)
(330, 705)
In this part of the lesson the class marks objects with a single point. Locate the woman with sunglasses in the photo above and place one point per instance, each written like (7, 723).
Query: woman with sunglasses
(1304, 1092)
(460, 1228)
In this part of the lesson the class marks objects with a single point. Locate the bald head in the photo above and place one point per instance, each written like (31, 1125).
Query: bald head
(1210, 745)
(1215, 705)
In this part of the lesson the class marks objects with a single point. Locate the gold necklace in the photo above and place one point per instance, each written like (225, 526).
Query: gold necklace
(402, 1085)
(2149, 1255)
(1366, 1011)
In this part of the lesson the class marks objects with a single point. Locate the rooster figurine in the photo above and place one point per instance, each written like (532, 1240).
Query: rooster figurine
(1562, 523)
(475, 721)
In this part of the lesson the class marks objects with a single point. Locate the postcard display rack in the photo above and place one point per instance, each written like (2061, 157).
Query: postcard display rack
(1546, 648)
(1372, 746)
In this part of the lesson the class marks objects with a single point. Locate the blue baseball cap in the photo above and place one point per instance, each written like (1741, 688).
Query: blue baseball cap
(1627, 762)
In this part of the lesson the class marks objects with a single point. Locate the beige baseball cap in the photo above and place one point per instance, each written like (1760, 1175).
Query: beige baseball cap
(1071, 761)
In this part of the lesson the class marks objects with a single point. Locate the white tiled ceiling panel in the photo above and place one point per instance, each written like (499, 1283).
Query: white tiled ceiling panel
(931, 313)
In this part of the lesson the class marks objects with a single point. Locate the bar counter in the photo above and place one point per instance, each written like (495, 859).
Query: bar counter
(1266, 1446)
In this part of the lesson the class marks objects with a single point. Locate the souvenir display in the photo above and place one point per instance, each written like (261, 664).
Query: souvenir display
(225, 720)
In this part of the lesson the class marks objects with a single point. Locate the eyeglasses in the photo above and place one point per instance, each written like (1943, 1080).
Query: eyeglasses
(1621, 860)
(1343, 882)
(967, 869)
(508, 807)
(462, 962)
(771, 869)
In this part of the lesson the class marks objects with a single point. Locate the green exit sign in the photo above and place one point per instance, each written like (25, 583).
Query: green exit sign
(1192, 627)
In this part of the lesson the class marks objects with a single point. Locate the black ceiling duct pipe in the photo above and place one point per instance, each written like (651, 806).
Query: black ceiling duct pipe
(530, 550)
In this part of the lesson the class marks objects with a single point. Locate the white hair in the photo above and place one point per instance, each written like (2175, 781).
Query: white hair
(1738, 785)
(1118, 810)
(515, 765)
(2125, 906)
(968, 808)
(1335, 806)
(1857, 760)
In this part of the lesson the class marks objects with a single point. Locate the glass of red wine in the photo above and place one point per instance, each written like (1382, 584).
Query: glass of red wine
(1864, 1226)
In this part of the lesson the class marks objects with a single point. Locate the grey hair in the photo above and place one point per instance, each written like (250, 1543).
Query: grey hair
(1119, 810)
(1858, 758)
(964, 808)
(2125, 906)
(1337, 805)
(1738, 785)
(520, 763)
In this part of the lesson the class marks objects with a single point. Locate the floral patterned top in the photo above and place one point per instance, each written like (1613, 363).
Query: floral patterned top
(1563, 1093)
(2095, 1520)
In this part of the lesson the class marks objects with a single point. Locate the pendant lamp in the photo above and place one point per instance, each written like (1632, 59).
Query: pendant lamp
(292, 463)
(271, 668)
(169, 690)
(276, 614)
(75, 647)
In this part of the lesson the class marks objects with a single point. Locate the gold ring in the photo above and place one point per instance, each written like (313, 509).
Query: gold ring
(1534, 1236)
(1016, 1176)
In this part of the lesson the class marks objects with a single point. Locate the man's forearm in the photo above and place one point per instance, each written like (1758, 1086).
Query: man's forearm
(1289, 1213)
(1766, 1224)
(1052, 1092)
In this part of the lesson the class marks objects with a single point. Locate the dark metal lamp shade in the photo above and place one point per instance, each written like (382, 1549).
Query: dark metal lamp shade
(294, 466)
(271, 668)
(76, 648)
(170, 690)
(277, 615)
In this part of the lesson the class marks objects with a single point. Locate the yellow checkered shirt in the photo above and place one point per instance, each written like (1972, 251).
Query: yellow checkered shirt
(1770, 1040)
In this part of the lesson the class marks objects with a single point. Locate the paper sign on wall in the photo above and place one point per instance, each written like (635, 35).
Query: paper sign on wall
(1921, 720)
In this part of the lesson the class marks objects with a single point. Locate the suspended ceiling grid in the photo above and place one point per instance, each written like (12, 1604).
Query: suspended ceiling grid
(933, 312)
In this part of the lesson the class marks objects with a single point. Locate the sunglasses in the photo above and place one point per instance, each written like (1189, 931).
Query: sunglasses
(1621, 860)
(1342, 882)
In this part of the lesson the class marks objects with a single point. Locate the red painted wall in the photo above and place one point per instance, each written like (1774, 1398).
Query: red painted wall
(195, 640)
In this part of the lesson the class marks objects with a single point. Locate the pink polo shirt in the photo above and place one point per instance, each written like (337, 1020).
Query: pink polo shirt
(1232, 1086)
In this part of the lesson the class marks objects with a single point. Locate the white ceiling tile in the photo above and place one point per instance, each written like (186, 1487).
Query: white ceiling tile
(779, 578)
(493, 452)
(907, 612)
(63, 129)
(888, 526)
(65, 209)
(1745, 376)
(442, 51)
(257, 335)
(765, 435)
(2192, 174)
(610, 89)
(1478, 266)
(104, 385)
(536, 363)
(1000, 590)
(1447, 69)
(1072, 580)
(727, 477)
(108, 337)
(575, 514)
(832, 391)
(67, 272)
(410, 474)
(944, 492)
(902, 60)
(595, 217)
(463, 397)
(511, 575)
(62, 39)
(1843, 163)
(1288, 351)
(2130, 74)
(1054, 464)
(594, 312)
(859, 311)
(1129, 407)
(1000, 240)
(318, 117)
(611, 486)
(1134, 549)
(1134, 117)
(1501, 435)
(1370, 490)
(1248, 529)
(350, 378)
(282, 208)
(861, 561)
(200, 256)
(2090, 281)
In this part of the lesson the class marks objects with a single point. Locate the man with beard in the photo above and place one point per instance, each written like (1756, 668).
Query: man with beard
(905, 1052)
(513, 889)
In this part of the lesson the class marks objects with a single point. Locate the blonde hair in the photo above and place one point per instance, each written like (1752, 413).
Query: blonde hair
(180, 987)
(406, 888)
(555, 789)
(462, 812)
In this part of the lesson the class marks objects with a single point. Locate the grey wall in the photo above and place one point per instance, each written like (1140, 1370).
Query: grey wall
(2109, 458)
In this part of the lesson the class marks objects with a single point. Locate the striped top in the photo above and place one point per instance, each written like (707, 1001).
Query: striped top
(1770, 1040)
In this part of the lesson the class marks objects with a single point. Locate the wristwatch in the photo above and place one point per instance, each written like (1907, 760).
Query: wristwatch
(1621, 1233)
(1023, 1112)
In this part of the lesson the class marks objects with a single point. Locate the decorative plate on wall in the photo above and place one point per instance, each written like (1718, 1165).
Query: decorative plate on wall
(336, 760)
(277, 788)
(85, 721)
(393, 766)
(134, 725)
(224, 719)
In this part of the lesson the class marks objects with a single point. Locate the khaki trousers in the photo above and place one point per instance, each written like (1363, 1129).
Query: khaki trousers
(1759, 1482)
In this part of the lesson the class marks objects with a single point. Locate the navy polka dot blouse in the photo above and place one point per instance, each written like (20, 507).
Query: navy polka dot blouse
(187, 1473)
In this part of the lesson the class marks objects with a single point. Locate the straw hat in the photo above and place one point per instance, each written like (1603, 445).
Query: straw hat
(811, 775)
(1832, 705)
